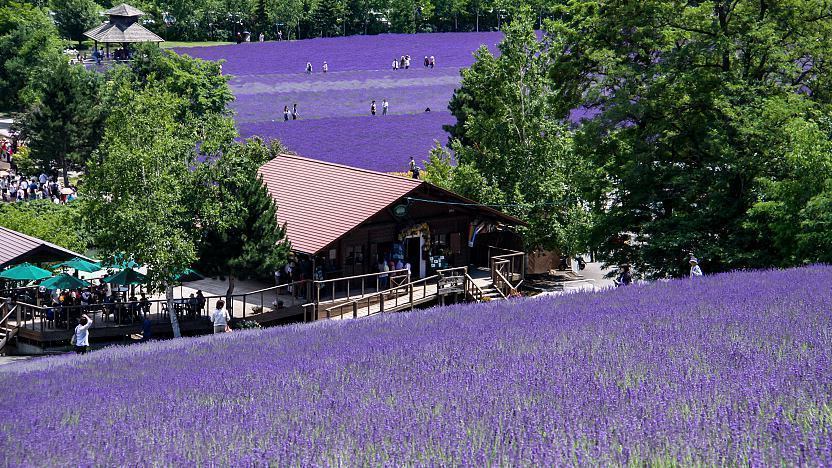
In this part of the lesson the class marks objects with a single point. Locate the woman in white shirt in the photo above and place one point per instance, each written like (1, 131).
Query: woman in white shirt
(220, 318)
(82, 335)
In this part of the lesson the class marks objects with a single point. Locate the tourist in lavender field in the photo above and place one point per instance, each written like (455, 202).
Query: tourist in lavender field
(694, 267)
(262, 37)
(308, 68)
(432, 61)
(295, 111)
(401, 62)
(373, 108)
(325, 67)
(81, 338)
(412, 166)
(220, 318)
(427, 61)
(384, 106)
(406, 62)
(625, 278)
(285, 113)
(279, 36)
(395, 64)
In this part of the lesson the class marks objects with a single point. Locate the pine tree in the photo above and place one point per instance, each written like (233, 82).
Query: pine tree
(248, 242)
(63, 127)
(328, 17)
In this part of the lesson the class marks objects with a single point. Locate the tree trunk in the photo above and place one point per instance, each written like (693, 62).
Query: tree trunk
(174, 321)
(478, 20)
(228, 295)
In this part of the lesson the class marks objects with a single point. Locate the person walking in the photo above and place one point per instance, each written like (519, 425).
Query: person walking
(308, 68)
(625, 278)
(295, 111)
(220, 318)
(427, 61)
(325, 67)
(262, 37)
(694, 267)
(373, 108)
(432, 61)
(395, 64)
(384, 106)
(285, 113)
(81, 338)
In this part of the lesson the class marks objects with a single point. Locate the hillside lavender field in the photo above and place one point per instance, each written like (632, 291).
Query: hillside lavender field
(732, 369)
(334, 108)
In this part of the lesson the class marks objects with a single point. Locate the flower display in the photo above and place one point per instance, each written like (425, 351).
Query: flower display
(730, 369)
(334, 108)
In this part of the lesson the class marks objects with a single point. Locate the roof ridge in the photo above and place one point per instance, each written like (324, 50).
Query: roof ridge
(352, 168)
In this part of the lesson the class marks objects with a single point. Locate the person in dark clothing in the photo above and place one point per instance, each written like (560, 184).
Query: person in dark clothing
(625, 278)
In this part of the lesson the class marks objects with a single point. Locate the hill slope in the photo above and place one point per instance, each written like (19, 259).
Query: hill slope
(731, 369)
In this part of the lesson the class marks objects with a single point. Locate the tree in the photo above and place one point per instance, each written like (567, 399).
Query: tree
(74, 17)
(58, 224)
(200, 82)
(246, 241)
(691, 101)
(29, 46)
(63, 127)
(137, 192)
(510, 145)
(328, 17)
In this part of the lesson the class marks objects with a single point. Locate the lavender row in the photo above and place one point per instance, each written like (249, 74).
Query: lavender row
(730, 370)
(381, 143)
(452, 50)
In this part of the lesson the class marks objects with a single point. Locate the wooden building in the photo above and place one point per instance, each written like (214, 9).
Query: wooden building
(350, 219)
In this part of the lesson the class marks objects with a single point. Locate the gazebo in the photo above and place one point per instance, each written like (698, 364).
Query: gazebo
(123, 27)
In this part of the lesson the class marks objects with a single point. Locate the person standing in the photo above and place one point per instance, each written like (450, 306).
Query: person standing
(426, 62)
(406, 62)
(279, 36)
(82, 335)
(395, 64)
(625, 278)
(384, 106)
(694, 267)
(432, 61)
(308, 68)
(325, 67)
(285, 113)
(373, 108)
(295, 111)
(262, 37)
(220, 318)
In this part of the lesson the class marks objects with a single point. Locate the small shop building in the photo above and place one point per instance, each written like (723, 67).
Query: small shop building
(350, 220)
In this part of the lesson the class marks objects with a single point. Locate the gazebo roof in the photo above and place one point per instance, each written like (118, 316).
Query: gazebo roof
(118, 31)
(124, 10)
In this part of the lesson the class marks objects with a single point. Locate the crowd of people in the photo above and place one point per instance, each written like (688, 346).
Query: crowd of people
(15, 187)
(625, 275)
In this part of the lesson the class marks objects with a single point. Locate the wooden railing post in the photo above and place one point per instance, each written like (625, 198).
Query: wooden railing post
(410, 287)
(355, 310)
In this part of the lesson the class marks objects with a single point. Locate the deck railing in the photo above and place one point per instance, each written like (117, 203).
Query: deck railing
(508, 270)
(402, 296)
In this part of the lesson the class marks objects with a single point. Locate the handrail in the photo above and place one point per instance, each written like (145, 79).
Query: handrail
(504, 282)
(353, 304)
(480, 292)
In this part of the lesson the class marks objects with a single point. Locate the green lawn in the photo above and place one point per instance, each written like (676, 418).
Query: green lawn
(171, 44)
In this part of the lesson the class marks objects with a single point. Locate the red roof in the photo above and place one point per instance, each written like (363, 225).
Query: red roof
(321, 201)
(16, 247)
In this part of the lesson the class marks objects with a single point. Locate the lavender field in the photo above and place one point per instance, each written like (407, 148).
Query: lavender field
(335, 123)
(730, 370)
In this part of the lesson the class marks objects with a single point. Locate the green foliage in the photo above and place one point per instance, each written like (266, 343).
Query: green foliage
(138, 188)
(705, 121)
(74, 17)
(63, 127)
(328, 17)
(199, 82)
(58, 224)
(29, 46)
(511, 145)
(242, 238)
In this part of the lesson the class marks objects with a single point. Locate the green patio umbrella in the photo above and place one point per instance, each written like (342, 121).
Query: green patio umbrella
(189, 275)
(126, 277)
(25, 272)
(64, 281)
(81, 265)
